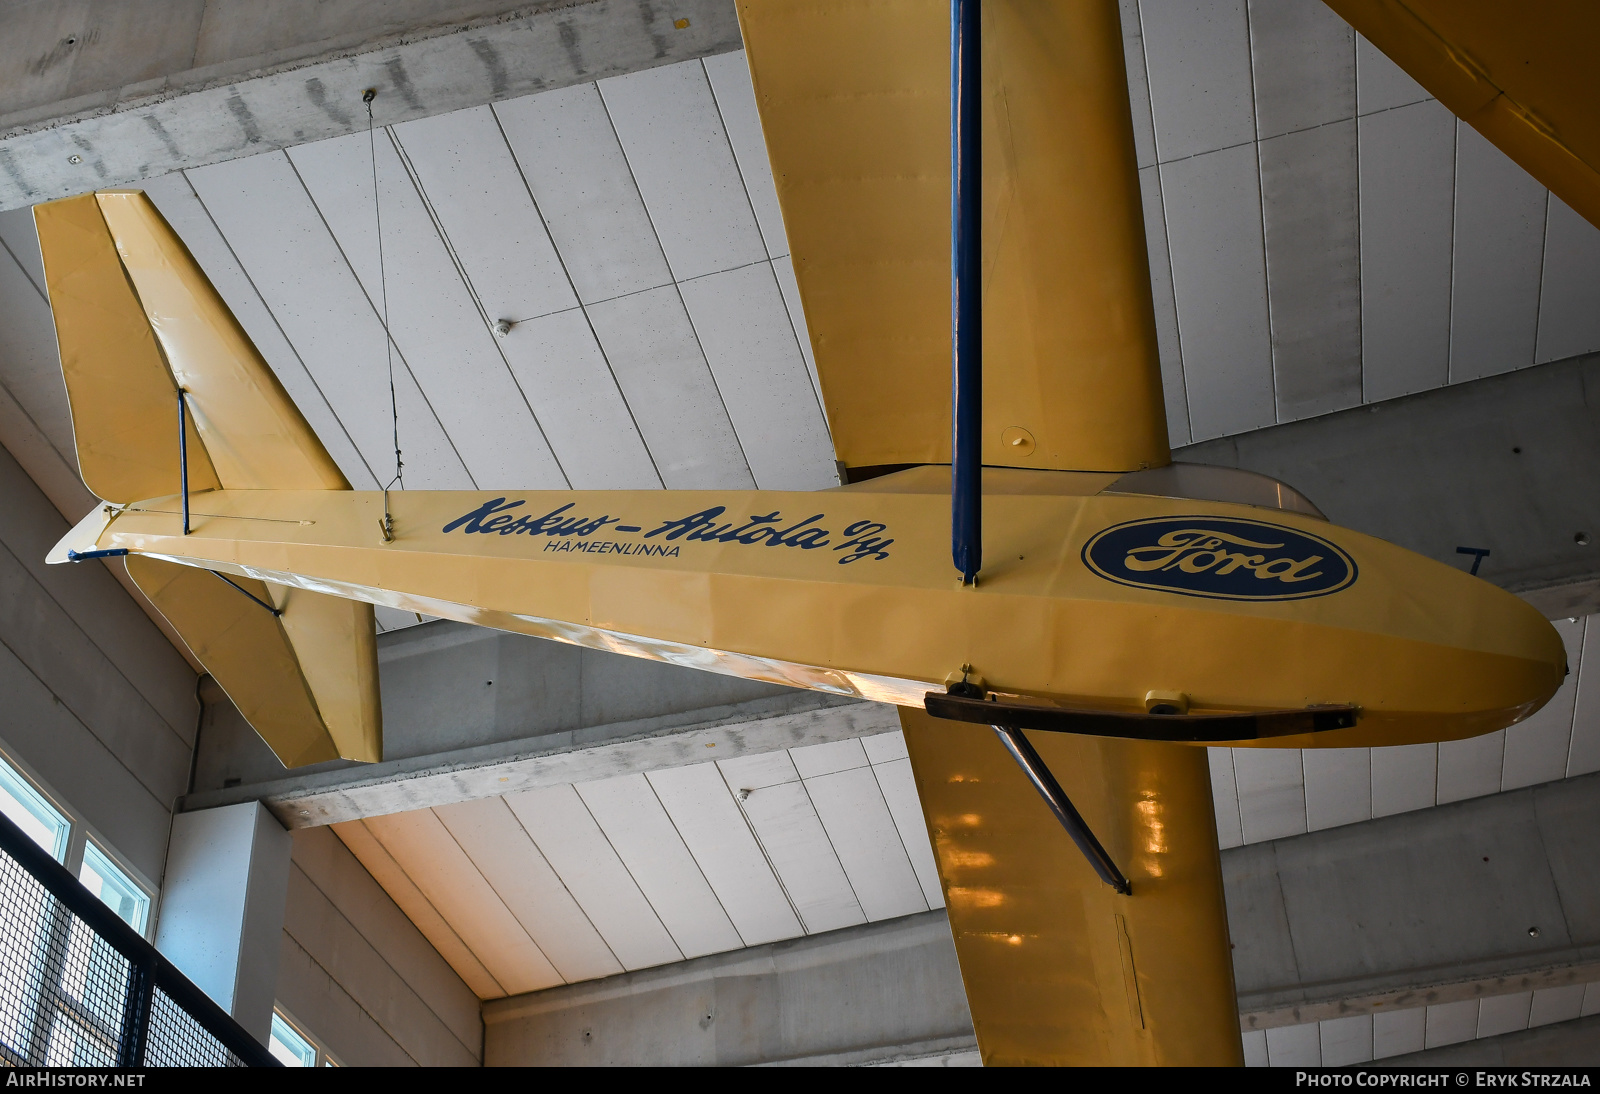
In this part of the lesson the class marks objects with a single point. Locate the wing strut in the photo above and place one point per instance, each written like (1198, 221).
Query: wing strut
(1045, 783)
(1038, 773)
(966, 270)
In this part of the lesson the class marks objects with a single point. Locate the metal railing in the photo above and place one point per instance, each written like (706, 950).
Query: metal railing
(81, 988)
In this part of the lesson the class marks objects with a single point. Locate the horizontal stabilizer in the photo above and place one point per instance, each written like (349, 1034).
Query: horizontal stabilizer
(272, 678)
(137, 321)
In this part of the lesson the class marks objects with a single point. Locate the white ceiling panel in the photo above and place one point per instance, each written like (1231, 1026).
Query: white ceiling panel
(574, 845)
(280, 239)
(1404, 777)
(825, 759)
(417, 908)
(729, 74)
(1338, 786)
(443, 873)
(1451, 1023)
(1398, 1031)
(1309, 212)
(881, 748)
(1499, 1014)
(499, 847)
(1499, 255)
(1470, 768)
(567, 379)
(709, 820)
(477, 191)
(1168, 344)
(1380, 83)
(657, 360)
(1225, 797)
(1294, 1046)
(1213, 206)
(640, 831)
(1569, 321)
(1346, 1041)
(1407, 167)
(865, 838)
(177, 201)
(1303, 66)
(784, 269)
(19, 238)
(796, 844)
(672, 134)
(1584, 755)
(899, 788)
(1556, 1004)
(1272, 801)
(1537, 749)
(1198, 53)
(744, 774)
(744, 331)
(569, 154)
(780, 812)
(436, 324)
(1144, 132)
(32, 365)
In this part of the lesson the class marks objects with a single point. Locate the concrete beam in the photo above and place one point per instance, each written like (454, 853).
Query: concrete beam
(1510, 463)
(879, 993)
(101, 95)
(1476, 898)
(472, 713)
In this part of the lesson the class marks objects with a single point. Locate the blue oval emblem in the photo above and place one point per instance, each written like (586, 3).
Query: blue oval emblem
(1219, 557)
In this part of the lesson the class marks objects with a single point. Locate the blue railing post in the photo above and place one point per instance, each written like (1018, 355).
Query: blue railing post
(966, 291)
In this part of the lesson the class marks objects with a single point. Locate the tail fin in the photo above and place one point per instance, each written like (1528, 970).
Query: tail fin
(136, 319)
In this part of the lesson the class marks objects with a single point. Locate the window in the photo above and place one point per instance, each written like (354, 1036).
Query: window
(37, 812)
(289, 1044)
(106, 880)
(31, 812)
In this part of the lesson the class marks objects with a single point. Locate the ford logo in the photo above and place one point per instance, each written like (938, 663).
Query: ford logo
(1222, 558)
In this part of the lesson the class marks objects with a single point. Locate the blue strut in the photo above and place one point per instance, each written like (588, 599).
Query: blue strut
(966, 292)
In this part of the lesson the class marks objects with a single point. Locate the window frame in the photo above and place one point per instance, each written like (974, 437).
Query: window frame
(323, 1057)
(80, 833)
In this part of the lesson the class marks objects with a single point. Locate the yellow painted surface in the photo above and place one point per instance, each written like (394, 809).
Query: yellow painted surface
(135, 319)
(245, 651)
(854, 101)
(1522, 74)
(124, 401)
(1428, 652)
(1059, 968)
(334, 640)
(254, 434)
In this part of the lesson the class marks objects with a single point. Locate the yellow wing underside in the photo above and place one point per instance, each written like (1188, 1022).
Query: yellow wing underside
(135, 319)
(855, 103)
(1522, 74)
(854, 100)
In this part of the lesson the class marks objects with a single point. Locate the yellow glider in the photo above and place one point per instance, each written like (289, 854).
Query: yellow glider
(1115, 582)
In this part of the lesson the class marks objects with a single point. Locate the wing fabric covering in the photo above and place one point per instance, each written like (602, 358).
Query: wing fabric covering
(854, 101)
(1521, 74)
(123, 399)
(1058, 968)
(135, 317)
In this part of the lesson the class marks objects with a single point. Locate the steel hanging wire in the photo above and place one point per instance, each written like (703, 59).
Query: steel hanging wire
(386, 526)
